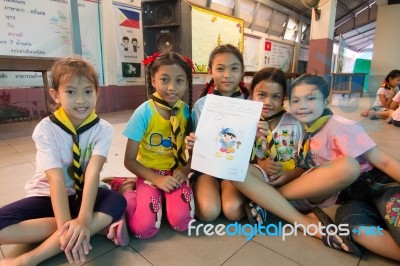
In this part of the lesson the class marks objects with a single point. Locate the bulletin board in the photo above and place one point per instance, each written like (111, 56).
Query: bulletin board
(210, 29)
(278, 55)
(42, 28)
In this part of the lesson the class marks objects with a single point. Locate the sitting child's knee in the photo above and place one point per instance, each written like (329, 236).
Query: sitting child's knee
(208, 214)
(352, 169)
(233, 211)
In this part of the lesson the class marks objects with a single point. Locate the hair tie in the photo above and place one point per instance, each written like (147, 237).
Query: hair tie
(155, 56)
(210, 87)
(190, 62)
(151, 58)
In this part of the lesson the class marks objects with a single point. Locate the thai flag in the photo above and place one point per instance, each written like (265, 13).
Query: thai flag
(129, 18)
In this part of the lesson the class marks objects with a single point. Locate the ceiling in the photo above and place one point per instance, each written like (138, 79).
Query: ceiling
(355, 20)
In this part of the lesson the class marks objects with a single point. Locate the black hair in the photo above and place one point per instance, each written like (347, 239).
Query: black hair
(392, 74)
(171, 58)
(318, 81)
(229, 134)
(270, 74)
(222, 49)
(65, 68)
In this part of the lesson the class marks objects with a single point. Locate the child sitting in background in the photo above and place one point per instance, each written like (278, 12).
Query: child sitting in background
(394, 112)
(384, 96)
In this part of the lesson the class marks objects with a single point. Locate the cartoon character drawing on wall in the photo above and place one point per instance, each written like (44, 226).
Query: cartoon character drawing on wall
(228, 143)
(135, 45)
(125, 43)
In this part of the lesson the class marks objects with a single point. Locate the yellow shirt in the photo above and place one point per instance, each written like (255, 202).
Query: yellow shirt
(153, 132)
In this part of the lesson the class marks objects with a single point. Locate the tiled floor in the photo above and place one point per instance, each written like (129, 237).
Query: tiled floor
(17, 162)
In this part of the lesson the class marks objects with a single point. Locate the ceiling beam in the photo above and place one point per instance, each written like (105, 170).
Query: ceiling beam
(269, 24)
(287, 10)
(254, 18)
(343, 5)
(352, 13)
(236, 8)
(354, 28)
(285, 28)
(363, 47)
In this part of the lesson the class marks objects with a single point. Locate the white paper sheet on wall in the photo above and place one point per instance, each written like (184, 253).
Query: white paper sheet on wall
(42, 28)
(251, 53)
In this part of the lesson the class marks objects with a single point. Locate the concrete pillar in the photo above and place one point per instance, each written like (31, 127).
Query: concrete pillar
(321, 39)
(386, 52)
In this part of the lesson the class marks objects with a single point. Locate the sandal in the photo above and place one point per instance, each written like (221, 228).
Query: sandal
(374, 117)
(332, 239)
(254, 211)
(121, 236)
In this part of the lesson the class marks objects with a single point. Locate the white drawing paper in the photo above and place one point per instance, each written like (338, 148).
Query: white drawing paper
(224, 137)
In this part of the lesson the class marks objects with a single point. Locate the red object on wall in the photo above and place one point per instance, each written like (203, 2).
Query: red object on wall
(268, 46)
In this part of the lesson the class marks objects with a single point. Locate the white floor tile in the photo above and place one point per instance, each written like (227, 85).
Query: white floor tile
(13, 158)
(12, 181)
(22, 144)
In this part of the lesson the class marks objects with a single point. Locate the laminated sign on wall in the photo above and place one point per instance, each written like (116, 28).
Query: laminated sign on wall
(279, 55)
(42, 28)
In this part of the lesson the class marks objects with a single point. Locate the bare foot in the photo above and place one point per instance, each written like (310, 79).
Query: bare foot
(118, 233)
(112, 234)
(314, 220)
(127, 186)
(374, 115)
(365, 113)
